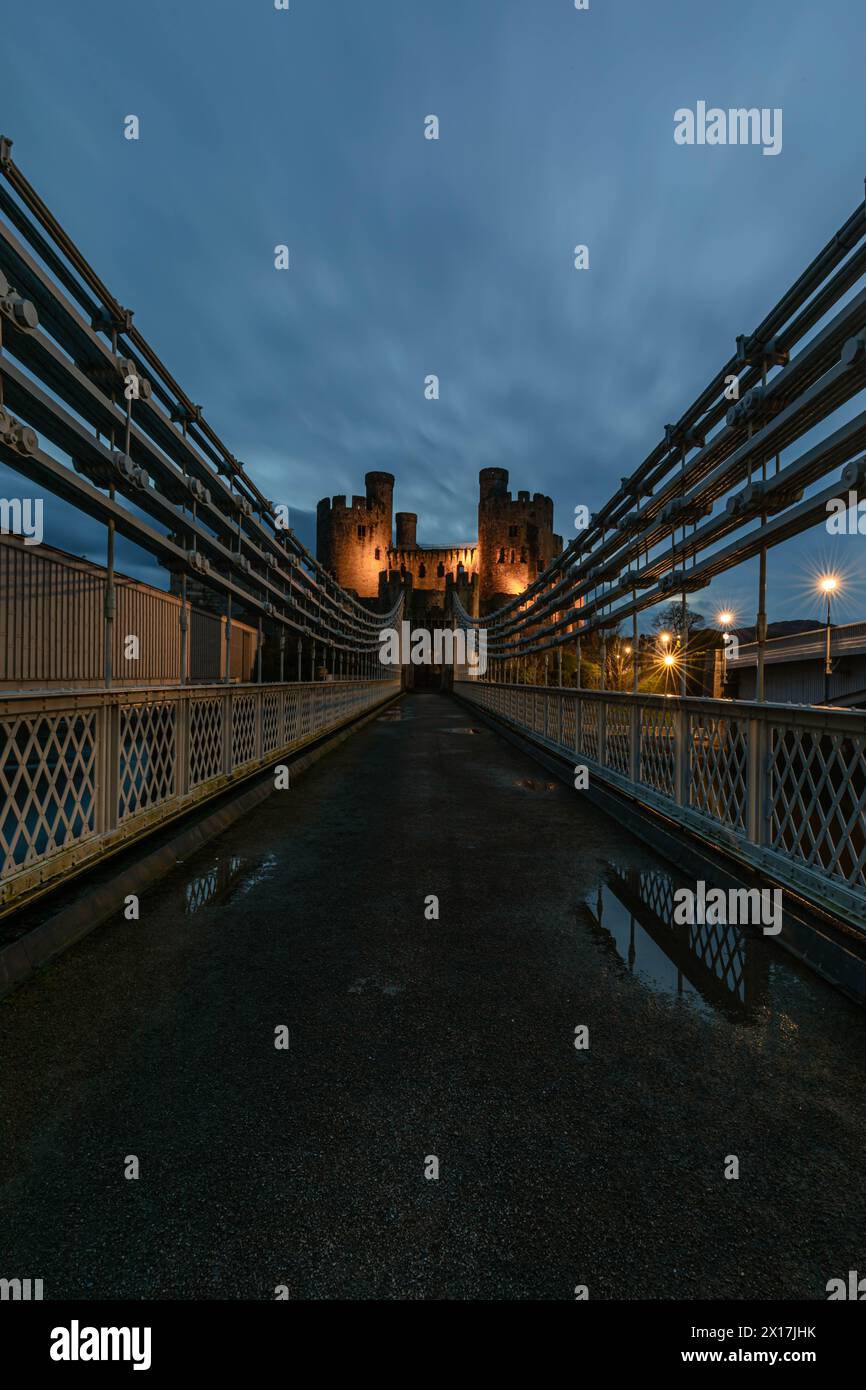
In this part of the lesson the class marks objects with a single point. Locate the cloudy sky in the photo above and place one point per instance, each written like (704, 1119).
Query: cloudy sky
(454, 257)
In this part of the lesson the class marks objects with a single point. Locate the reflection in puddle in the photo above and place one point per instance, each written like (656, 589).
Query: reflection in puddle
(714, 966)
(226, 881)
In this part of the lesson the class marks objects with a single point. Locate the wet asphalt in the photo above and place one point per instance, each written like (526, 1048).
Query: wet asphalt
(413, 1038)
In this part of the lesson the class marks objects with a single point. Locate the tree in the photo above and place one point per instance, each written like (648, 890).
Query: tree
(671, 619)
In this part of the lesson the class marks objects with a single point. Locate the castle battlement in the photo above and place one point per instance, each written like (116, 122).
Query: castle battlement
(515, 542)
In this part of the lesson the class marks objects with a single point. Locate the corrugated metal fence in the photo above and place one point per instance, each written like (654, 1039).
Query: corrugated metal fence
(51, 626)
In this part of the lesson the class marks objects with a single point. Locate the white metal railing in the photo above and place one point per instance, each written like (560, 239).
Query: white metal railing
(81, 771)
(781, 787)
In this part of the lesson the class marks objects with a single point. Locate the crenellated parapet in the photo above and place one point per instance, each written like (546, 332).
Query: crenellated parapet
(515, 542)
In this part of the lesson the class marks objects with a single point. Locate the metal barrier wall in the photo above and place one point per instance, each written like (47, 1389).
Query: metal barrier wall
(52, 626)
(780, 787)
(83, 772)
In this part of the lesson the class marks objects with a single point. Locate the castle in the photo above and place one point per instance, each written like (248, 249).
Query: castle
(515, 543)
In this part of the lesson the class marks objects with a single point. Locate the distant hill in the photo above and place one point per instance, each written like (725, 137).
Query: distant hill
(789, 629)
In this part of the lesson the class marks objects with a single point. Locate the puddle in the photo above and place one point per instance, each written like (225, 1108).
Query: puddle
(714, 967)
(392, 716)
(532, 784)
(226, 881)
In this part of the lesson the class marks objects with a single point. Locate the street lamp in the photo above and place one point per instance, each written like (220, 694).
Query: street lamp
(725, 620)
(828, 584)
(669, 662)
(626, 651)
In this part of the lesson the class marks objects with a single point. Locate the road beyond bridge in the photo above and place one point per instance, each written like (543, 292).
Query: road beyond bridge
(414, 1037)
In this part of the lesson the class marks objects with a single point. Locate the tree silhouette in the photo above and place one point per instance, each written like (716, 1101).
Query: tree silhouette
(671, 619)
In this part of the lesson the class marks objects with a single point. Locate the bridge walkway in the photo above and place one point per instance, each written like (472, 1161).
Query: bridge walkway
(412, 1038)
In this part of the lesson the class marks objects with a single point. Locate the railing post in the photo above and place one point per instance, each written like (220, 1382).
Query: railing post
(227, 732)
(183, 706)
(110, 769)
(758, 792)
(602, 729)
(634, 740)
(103, 734)
(682, 768)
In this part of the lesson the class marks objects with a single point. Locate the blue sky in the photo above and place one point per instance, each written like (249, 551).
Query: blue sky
(452, 257)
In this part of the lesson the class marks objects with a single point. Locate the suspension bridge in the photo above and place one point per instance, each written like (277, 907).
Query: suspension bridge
(434, 909)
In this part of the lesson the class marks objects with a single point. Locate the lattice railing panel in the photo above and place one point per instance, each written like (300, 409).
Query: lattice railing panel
(48, 784)
(205, 739)
(589, 723)
(243, 730)
(271, 720)
(618, 738)
(719, 763)
(818, 800)
(539, 705)
(292, 716)
(148, 752)
(658, 758)
(306, 714)
(569, 724)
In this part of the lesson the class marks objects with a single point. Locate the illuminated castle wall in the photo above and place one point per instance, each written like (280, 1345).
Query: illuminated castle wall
(514, 544)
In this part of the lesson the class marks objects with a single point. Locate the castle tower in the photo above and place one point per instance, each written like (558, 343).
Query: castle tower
(352, 542)
(407, 530)
(516, 540)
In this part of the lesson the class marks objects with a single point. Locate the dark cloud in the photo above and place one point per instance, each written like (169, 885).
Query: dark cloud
(454, 257)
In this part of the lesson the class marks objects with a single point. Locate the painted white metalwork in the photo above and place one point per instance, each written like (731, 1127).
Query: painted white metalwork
(781, 787)
(83, 771)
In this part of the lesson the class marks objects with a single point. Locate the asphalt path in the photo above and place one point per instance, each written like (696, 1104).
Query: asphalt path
(411, 1038)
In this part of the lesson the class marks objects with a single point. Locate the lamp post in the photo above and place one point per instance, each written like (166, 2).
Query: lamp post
(828, 584)
(669, 662)
(725, 620)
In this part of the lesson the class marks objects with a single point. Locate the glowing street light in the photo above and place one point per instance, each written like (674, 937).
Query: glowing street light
(725, 620)
(828, 584)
